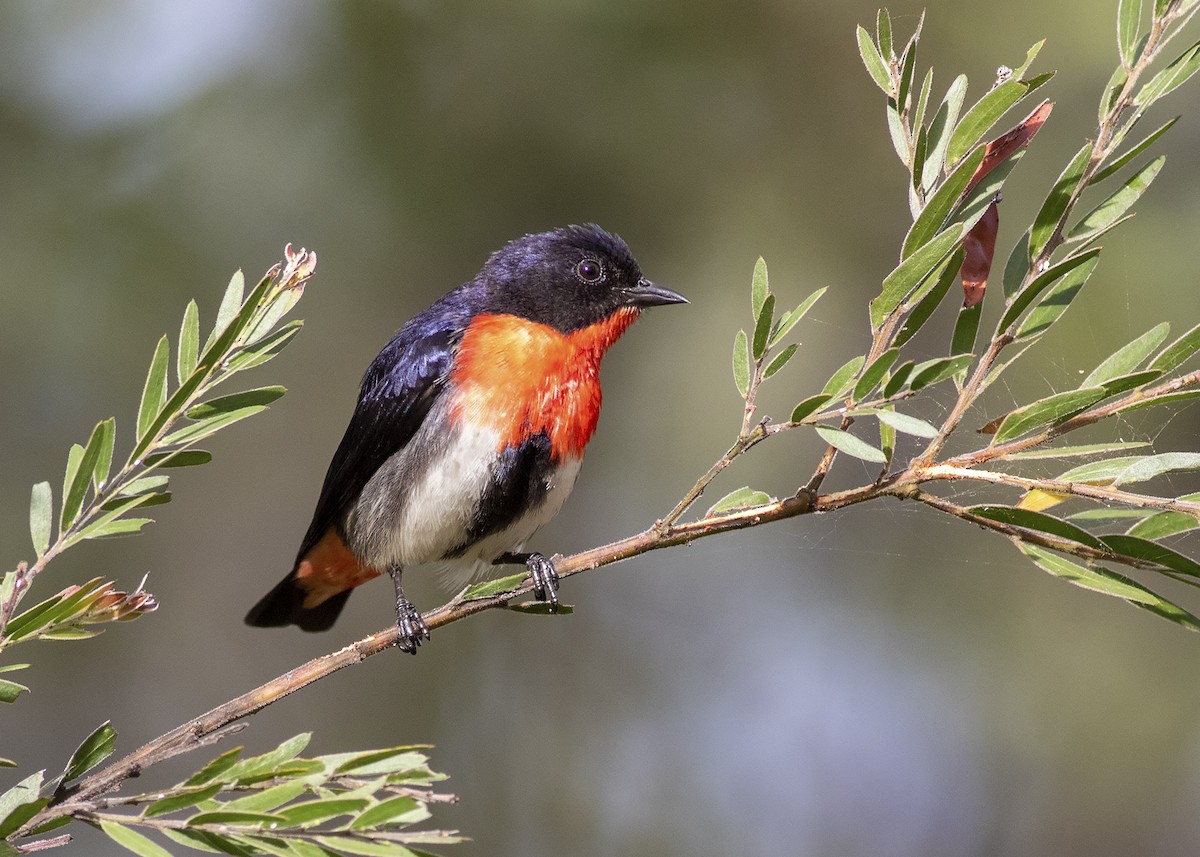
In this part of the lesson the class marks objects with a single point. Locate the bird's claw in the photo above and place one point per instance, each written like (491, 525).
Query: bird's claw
(411, 627)
(545, 579)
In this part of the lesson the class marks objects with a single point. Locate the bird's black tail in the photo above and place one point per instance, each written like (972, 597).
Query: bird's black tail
(284, 605)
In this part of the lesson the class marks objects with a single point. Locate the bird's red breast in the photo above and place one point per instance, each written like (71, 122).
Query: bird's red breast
(520, 378)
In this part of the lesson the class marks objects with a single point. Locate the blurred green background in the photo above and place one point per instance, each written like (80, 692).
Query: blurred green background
(876, 682)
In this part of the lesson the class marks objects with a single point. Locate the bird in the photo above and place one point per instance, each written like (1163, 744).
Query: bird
(469, 429)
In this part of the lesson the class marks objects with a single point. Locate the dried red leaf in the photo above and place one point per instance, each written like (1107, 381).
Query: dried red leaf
(979, 247)
(1004, 145)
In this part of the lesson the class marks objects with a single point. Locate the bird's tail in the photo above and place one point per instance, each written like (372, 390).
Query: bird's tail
(284, 605)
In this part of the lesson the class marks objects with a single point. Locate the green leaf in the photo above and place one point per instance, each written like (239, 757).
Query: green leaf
(763, 327)
(1017, 266)
(966, 328)
(231, 302)
(942, 203)
(780, 360)
(154, 393)
(918, 116)
(119, 527)
(395, 810)
(873, 374)
(10, 690)
(81, 469)
(1039, 522)
(132, 840)
(264, 349)
(788, 320)
(1171, 77)
(183, 458)
(95, 749)
(1163, 524)
(1109, 583)
(759, 288)
(269, 762)
(499, 586)
(1108, 213)
(182, 800)
(1129, 357)
(189, 342)
(1129, 22)
(1055, 206)
(41, 514)
(935, 371)
(908, 65)
(1164, 399)
(901, 282)
(982, 116)
(842, 380)
(741, 363)
(257, 398)
(897, 132)
(940, 130)
(267, 799)
(1051, 409)
(851, 445)
(1128, 469)
(1124, 159)
(240, 819)
(895, 383)
(376, 848)
(215, 770)
(1178, 351)
(738, 499)
(314, 812)
(905, 423)
(1153, 552)
(1072, 451)
(15, 803)
(876, 67)
(928, 297)
(108, 432)
(204, 840)
(210, 426)
(810, 406)
(1123, 383)
(1075, 270)
(883, 32)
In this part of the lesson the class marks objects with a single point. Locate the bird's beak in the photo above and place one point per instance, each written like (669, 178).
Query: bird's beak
(646, 293)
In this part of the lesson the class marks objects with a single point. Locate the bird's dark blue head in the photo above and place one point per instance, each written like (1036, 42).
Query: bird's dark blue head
(568, 278)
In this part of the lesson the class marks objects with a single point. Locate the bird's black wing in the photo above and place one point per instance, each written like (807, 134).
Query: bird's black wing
(398, 390)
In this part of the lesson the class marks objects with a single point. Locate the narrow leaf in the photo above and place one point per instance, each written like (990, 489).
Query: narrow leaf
(809, 407)
(210, 426)
(1128, 469)
(928, 297)
(741, 363)
(10, 690)
(873, 374)
(843, 379)
(264, 349)
(1055, 206)
(488, 588)
(1073, 451)
(154, 393)
(940, 205)
(80, 476)
(876, 67)
(935, 371)
(1076, 269)
(789, 319)
(763, 327)
(1124, 159)
(759, 288)
(883, 32)
(912, 271)
(780, 360)
(906, 424)
(896, 382)
(262, 396)
(215, 770)
(1153, 552)
(1038, 522)
(1171, 77)
(131, 840)
(738, 499)
(1048, 410)
(1129, 22)
(940, 130)
(184, 458)
(1129, 357)
(41, 515)
(15, 801)
(1178, 351)
(1113, 209)
(982, 116)
(314, 812)
(182, 800)
(189, 342)
(1017, 266)
(392, 810)
(851, 445)
(95, 749)
(231, 302)
(1163, 524)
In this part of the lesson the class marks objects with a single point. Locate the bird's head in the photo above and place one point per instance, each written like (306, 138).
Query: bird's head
(569, 279)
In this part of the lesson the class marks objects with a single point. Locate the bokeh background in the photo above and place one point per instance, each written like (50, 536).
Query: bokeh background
(876, 682)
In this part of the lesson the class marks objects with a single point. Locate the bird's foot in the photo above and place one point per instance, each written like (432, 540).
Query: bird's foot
(411, 626)
(541, 572)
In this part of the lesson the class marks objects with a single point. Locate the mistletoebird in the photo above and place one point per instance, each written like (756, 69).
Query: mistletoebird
(469, 429)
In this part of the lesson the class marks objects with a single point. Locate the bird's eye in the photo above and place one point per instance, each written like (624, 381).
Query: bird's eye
(589, 271)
